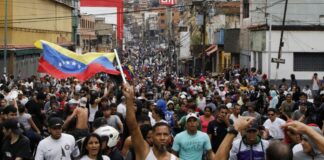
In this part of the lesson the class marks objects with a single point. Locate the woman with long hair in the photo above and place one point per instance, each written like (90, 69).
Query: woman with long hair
(91, 148)
(206, 118)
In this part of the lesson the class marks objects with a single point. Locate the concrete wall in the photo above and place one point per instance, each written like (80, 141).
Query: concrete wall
(294, 41)
(258, 42)
(26, 65)
(184, 45)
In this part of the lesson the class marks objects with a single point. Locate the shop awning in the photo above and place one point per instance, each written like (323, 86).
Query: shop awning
(212, 50)
(210, 47)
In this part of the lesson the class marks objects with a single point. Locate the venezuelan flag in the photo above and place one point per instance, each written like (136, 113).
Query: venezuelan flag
(127, 73)
(131, 70)
(63, 63)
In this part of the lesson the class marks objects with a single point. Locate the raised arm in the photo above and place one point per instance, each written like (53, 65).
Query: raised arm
(226, 145)
(69, 118)
(140, 146)
(108, 89)
(302, 128)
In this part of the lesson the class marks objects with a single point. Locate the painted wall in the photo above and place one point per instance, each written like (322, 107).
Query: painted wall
(294, 41)
(38, 19)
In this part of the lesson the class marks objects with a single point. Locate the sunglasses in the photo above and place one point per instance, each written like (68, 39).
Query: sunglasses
(271, 114)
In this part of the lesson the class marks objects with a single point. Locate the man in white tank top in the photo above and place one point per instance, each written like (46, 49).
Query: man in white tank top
(161, 133)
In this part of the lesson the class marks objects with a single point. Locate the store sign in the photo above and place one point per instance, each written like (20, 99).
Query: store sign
(168, 2)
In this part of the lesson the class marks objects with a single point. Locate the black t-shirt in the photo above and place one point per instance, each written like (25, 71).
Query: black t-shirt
(320, 115)
(35, 110)
(218, 132)
(115, 154)
(19, 149)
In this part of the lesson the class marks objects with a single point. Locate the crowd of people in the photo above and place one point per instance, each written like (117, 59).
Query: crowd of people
(237, 114)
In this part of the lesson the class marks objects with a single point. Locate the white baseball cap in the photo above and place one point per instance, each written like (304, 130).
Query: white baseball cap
(229, 105)
(191, 115)
(183, 96)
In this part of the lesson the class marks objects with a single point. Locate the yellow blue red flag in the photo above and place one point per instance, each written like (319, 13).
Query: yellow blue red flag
(62, 63)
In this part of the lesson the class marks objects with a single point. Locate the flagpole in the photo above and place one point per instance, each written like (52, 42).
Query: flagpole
(120, 67)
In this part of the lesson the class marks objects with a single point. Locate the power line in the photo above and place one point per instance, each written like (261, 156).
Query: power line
(39, 19)
(35, 3)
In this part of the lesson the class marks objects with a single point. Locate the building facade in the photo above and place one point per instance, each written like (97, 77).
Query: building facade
(31, 21)
(86, 37)
(302, 37)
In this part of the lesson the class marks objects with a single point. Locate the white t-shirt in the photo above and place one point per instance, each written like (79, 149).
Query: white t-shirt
(233, 118)
(274, 128)
(151, 119)
(121, 108)
(23, 119)
(92, 112)
(23, 101)
(85, 157)
(201, 102)
(315, 85)
(52, 149)
(297, 148)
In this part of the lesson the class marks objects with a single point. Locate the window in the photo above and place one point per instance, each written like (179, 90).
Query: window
(246, 8)
(82, 23)
(305, 61)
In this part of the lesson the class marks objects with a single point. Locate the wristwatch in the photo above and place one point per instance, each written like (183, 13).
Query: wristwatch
(232, 130)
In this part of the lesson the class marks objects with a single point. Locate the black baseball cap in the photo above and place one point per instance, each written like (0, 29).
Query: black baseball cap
(12, 124)
(253, 127)
(55, 122)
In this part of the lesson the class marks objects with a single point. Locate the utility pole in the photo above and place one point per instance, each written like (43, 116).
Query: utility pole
(5, 38)
(169, 13)
(203, 29)
(143, 27)
(270, 32)
(282, 31)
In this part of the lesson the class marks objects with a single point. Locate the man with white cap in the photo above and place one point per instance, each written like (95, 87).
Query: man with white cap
(191, 143)
(81, 114)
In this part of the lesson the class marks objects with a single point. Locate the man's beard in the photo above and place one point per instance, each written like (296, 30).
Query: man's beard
(161, 148)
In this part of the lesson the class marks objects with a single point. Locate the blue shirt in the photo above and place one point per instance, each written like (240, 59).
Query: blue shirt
(191, 147)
